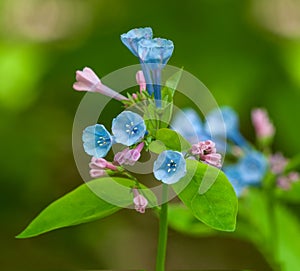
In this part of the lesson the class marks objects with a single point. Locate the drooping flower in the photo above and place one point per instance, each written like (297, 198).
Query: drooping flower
(87, 80)
(169, 167)
(129, 156)
(133, 36)
(140, 79)
(128, 128)
(97, 141)
(262, 124)
(154, 55)
(224, 122)
(140, 202)
(253, 167)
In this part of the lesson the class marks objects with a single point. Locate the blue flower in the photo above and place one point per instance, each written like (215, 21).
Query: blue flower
(189, 125)
(154, 55)
(253, 167)
(169, 167)
(225, 122)
(132, 37)
(155, 52)
(234, 175)
(128, 128)
(97, 141)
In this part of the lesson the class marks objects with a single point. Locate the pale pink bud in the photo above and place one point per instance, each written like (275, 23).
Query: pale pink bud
(129, 156)
(134, 96)
(214, 159)
(95, 173)
(206, 150)
(203, 147)
(140, 202)
(101, 163)
(277, 163)
(261, 122)
(87, 80)
(140, 79)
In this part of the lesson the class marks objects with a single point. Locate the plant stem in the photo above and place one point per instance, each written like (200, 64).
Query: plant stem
(163, 231)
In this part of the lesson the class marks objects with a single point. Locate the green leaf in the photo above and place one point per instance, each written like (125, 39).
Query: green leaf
(168, 91)
(206, 191)
(85, 204)
(181, 219)
(172, 140)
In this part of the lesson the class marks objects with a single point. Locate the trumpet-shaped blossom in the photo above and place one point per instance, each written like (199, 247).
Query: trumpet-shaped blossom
(128, 128)
(262, 124)
(156, 52)
(87, 80)
(97, 141)
(140, 79)
(169, 167)
(224, 122)
(140, 202)
(129, 156)
(133, 36)
(154, 55)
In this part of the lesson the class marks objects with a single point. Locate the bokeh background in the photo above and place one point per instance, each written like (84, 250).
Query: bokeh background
(246, 52)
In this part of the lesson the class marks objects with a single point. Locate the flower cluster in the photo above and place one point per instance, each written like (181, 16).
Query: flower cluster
(153, 54)
(129, 128)
(206, 151)
(278, 164)
(246, 166)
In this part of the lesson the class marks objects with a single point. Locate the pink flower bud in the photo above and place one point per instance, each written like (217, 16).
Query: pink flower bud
(95, 173)
(140, 202)
(262, 125)
(98, 166)
(129, 156)
(206, 151)
(87, 80)
(213, 159)
(140, 79)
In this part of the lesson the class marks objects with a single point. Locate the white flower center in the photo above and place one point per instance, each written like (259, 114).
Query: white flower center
(171, 166)
(131, 128)
(101, 141)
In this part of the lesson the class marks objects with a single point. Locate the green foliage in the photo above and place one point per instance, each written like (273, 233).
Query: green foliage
(181, 218)
(83, 205)
(171, 140)
(206, 191)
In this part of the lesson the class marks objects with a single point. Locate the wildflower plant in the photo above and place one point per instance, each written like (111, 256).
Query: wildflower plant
(266, 184)
(192, 170)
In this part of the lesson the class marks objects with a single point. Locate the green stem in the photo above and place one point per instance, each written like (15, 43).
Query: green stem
(163, 231)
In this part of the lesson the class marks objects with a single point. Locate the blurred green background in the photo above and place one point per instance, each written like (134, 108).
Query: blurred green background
(245, 51)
